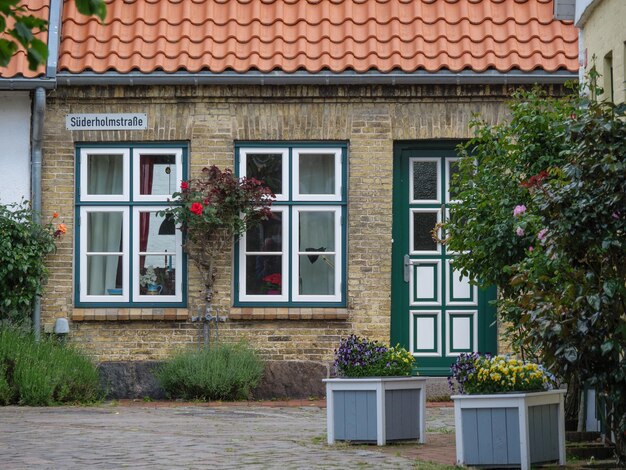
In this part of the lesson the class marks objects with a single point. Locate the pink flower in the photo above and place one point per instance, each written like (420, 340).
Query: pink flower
(542, 234)
(519, 210)
(519, 231)
(196, 208)
(530, 248)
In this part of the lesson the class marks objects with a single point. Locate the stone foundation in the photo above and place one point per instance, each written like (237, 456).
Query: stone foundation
(281, 379)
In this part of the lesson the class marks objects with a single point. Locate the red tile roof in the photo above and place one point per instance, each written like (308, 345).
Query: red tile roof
(18, 66)
(315, 35)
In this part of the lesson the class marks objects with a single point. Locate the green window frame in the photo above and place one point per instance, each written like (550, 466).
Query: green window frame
(305, 243)
(126, 254)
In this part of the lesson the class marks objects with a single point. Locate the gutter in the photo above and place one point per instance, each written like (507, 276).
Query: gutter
(419, 77)
(37, 118)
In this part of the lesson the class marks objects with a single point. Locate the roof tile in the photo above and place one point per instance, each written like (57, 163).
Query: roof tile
(314, 35)
(18, 66)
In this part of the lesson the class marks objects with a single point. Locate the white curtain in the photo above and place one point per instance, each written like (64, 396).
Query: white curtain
(104, 229)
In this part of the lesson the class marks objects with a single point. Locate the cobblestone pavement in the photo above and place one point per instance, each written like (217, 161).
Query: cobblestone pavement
(153, 436)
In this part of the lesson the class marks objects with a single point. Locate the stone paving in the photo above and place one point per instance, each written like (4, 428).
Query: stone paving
(200, 436)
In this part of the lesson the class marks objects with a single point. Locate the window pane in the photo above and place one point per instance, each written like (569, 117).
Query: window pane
(104, 275)
(105, 174)
(453, 170)
(317, 173)
(157, 275)
(423, 223)
(268, 168)
(156, 233)
(104, 232)
(317, 231)
(264, 275)
(425, 180)
(317, 274)
(157, 175)
(266, 237)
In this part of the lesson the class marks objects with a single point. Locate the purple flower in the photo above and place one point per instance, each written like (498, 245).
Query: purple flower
(519, 231)
(519, 210)
(542, 234)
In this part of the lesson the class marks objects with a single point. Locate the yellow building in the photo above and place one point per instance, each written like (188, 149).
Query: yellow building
(602, 25)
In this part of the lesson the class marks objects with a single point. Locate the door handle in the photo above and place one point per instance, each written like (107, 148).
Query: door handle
(407, 268)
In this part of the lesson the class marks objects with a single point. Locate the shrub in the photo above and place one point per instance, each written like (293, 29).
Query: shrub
(359, 357)
(476, 374)
(44, 373)
(224, 372)
(23, 246)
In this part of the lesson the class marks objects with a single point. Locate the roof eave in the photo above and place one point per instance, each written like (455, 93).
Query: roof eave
(420, 77)
(27, 83)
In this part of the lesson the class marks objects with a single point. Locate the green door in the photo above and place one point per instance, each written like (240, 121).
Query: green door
(435, 312)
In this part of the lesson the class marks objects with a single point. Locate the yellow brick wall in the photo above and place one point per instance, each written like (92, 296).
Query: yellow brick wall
(211, 119)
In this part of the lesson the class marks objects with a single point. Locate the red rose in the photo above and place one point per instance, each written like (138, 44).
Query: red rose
(196, 208)
(184, 186)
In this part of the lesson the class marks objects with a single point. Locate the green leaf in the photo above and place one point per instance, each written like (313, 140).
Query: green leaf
(7, 49)
(92, 7)
(607, 347)
(22, 33)
(37, 54)
(594, 301)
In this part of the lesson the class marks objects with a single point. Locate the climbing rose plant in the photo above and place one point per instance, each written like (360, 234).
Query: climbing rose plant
(24, 244)
(543, 216)
(212, 211)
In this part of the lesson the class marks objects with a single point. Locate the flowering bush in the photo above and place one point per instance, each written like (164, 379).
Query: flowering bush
(24, 243)
(359, 357)
(212, 211)
(476, 374)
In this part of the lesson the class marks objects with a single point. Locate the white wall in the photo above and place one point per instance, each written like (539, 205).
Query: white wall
(15, 110)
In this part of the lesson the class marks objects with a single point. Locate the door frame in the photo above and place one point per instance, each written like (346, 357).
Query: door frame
(399, 331)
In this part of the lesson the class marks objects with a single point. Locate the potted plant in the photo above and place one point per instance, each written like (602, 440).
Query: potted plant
(507, 413)
(374, 398)
(272, 283)
(149, 280)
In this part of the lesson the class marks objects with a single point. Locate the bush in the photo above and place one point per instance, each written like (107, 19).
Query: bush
(24, 244)
(224, 372)
(44, 373)
(359, 357)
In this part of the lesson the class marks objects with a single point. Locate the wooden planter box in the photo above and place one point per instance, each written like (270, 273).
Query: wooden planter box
(375, 409)
(510, 429)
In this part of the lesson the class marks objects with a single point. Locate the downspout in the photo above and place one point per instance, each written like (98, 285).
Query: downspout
(36, 157)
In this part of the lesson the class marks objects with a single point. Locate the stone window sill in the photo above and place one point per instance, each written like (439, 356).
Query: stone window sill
(129, 314)
(269, 313)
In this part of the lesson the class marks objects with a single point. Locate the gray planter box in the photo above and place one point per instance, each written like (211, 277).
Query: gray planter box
(510, 429)
(375, 409)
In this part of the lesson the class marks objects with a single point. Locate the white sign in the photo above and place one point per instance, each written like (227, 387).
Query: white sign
(105, 122)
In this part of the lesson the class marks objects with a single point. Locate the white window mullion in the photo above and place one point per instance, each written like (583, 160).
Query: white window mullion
(299, 251)
(85, 155)
(178, 255)
(243, 254)
(84, 255)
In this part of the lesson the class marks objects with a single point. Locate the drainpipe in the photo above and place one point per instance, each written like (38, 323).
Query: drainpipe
(36, 157)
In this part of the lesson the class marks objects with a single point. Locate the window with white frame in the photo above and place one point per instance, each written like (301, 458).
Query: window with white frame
(297, 256)
(128, 253)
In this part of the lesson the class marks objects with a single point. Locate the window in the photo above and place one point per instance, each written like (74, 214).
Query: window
(298, 256)
(128, 254)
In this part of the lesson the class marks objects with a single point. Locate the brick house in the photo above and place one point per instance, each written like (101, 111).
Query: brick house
(351, 109)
